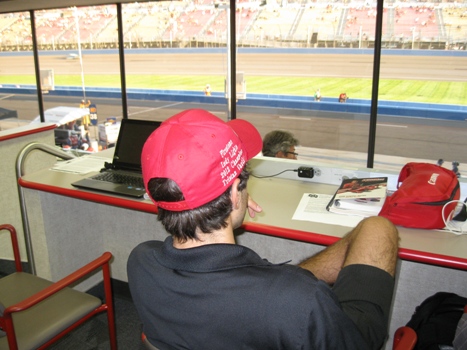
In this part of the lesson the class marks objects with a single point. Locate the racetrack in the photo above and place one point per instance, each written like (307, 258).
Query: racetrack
(402, 137)
(434, 68)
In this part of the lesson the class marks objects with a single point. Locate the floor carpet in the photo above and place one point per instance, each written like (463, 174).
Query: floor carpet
(93, 335)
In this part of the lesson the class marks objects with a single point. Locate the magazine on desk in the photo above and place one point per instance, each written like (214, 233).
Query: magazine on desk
(362, 196)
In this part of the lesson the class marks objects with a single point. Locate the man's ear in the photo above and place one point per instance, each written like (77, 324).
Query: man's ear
(235, 194)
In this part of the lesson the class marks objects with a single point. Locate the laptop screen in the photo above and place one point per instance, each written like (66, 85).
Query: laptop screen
(131, 138)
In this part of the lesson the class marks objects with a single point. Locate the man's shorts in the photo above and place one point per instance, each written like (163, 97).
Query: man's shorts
(365, 295)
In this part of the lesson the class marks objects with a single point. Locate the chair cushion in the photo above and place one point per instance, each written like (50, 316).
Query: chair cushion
(41, 322)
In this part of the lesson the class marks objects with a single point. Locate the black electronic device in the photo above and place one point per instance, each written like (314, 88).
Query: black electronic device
(123, 176)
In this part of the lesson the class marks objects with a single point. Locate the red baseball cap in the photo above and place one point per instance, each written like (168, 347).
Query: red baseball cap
(201, 153)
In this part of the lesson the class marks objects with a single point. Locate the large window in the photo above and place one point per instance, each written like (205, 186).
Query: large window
(16, 71)
(78, 45)
(389, 99)
(172, 59)
(427, 81)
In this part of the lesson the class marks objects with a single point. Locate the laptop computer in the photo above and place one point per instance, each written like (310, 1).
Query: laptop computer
(124, 175)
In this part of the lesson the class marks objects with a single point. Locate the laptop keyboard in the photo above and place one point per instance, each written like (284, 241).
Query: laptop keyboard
(135, 181)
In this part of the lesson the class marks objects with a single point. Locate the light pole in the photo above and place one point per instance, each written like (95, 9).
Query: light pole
(79, 53)
(228, 90)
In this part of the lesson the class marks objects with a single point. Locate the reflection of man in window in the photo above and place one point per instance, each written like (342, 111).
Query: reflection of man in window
(280, 144)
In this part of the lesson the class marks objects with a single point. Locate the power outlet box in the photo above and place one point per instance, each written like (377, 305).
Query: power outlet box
(306, 172)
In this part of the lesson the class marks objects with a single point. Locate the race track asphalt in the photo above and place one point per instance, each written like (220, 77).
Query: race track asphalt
(402, 137)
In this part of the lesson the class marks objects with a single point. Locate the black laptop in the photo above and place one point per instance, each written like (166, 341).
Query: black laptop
(123, 176)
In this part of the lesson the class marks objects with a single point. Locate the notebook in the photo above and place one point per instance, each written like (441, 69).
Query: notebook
(123, 176)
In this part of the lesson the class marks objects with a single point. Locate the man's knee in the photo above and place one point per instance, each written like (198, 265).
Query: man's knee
(375, 242)
(378, 220)
(379, 225)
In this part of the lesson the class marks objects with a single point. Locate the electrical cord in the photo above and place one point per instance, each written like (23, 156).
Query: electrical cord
(452, 225)
(266, 176)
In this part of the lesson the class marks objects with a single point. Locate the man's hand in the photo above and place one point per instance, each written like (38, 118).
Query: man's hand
(253, 207)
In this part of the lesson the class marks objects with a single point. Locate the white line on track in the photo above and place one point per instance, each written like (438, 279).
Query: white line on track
(392, 125)
(6, 96)
(295, 118)
(153, 109)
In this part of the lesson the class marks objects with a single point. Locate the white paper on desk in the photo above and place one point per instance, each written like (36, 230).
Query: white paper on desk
(312, 207)
(81, 165)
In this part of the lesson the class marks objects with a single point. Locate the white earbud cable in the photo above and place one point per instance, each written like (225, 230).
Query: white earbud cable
(448, 222)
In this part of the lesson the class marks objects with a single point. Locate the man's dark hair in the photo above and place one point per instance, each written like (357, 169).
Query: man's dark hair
(207, 218)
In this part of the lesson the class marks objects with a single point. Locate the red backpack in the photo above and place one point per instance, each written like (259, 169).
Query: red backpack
(423, 191)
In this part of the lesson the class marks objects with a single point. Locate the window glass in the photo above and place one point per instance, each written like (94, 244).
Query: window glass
(301, 59)
(16, 71)
(303, 67)
(78, 52)
(422, 94)
(175, 57)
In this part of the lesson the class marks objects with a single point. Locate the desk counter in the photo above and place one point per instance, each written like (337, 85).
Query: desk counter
(71, 226)
(279, 198)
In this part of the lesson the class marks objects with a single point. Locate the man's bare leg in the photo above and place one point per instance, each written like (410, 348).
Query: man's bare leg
(374, 241)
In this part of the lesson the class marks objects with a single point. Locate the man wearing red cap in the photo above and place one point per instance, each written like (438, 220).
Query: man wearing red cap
(200, 290)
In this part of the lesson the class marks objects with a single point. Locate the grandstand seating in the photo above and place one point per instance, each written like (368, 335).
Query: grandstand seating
(108, 34)
(15, 29)
(149, 22)
(217, 28)
(323, 20)
(49, 30)
(151, 26)
(189, 24)
(421, 20)
(364, 19)
(245, 19)
(276, 23)
(455, 24)
(90, 26)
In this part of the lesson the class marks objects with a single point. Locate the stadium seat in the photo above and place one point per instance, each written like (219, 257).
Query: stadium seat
(35, 312)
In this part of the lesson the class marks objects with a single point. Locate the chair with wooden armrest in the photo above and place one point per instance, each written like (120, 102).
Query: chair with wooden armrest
(35, 312)
(405, 338)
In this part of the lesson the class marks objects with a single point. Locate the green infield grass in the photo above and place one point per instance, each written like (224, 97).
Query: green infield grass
(389, 89)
